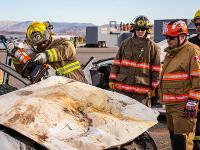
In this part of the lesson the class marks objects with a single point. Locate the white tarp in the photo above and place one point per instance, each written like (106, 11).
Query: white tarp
(60, 113)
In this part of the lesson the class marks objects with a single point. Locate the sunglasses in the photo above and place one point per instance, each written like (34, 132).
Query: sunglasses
(170, 37)
(197, 24)
(140, 29)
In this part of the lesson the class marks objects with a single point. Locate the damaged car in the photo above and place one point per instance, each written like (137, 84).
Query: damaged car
(59, 113)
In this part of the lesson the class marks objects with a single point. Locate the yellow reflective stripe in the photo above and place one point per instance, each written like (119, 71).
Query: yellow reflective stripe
(53, 55)
(72, 69)
(15, 61)
(69, 68)
(1, 81)
(50, 56)
(68, 65)
(197, 138)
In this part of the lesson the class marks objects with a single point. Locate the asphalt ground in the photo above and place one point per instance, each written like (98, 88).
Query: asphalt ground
(160, 134)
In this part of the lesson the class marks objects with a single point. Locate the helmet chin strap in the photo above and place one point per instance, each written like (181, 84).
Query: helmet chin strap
(179, 43)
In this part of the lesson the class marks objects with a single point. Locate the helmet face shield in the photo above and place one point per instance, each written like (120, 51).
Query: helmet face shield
(37, 38)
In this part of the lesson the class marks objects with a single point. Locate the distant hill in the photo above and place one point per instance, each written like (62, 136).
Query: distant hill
(14, 27)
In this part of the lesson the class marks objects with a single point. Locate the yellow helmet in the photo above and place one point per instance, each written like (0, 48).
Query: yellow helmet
(196, 16)
(37, 33)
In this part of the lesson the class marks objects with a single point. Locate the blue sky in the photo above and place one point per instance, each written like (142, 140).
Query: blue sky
(95, 11)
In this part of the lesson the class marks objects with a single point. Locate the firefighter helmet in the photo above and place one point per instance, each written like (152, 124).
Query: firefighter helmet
(142, 22)
(37, 33)
(196, 16)
(175, 28)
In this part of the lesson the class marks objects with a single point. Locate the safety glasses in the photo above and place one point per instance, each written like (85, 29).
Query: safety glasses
(197, 24)
(170, 37)
(140, 29)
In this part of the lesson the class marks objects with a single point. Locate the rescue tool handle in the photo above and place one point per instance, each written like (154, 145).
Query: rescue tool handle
(4, 40)
(31, 70)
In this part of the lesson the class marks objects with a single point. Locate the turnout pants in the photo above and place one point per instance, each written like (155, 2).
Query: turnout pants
(197, 133)
(181, 128)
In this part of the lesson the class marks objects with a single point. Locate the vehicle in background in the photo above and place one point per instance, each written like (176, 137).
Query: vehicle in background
(105, 36)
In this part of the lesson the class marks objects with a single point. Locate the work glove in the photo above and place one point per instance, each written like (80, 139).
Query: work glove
(191, 109)
(112, 85)
(151, 93)
(40, 58)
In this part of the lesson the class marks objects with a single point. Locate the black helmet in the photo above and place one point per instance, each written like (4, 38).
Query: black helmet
(141, 22)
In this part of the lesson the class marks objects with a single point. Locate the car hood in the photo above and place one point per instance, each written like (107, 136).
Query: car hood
(60, 113)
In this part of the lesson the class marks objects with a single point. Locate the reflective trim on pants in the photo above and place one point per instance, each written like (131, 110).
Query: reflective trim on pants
(197, 138)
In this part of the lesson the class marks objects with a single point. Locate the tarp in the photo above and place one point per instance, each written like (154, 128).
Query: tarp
(60, 113)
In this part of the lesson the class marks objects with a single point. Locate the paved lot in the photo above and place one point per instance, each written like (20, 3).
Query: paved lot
(160, 135)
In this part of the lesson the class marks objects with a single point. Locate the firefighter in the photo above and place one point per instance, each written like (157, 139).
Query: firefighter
(75, 41)
(59, 53)
(196, 40)
(196, 21)
(179, 87)
(135, 70)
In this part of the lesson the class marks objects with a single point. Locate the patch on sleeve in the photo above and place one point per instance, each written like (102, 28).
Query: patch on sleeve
(196, 58)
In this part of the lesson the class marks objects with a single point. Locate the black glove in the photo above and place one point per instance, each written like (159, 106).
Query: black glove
(3, 38)
(191, 109)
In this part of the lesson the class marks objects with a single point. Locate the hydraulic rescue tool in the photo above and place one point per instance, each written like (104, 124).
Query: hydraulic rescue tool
(30, 70)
